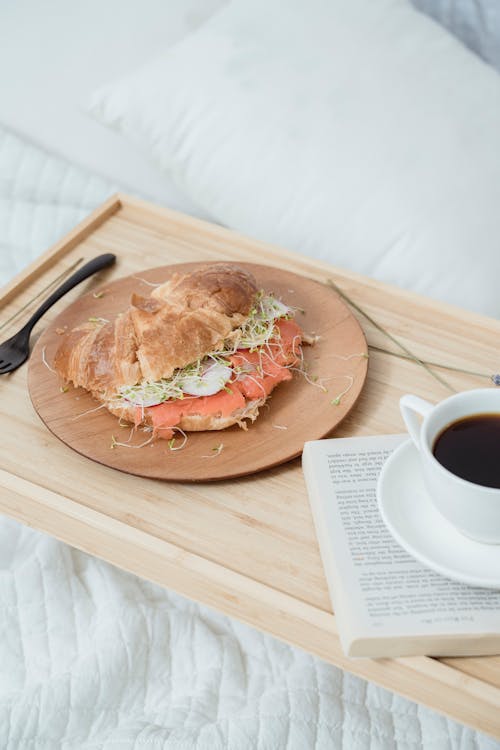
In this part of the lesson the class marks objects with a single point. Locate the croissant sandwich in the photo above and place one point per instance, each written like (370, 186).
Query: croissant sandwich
(202, 352)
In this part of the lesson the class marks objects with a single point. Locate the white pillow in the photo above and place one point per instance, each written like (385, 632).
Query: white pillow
(359, 132)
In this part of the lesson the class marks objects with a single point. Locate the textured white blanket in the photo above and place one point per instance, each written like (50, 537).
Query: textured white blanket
(93, 658)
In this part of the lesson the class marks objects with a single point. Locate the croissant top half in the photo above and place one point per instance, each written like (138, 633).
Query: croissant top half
(181, 321)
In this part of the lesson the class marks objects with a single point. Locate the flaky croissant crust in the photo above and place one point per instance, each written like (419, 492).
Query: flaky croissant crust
(180, 322)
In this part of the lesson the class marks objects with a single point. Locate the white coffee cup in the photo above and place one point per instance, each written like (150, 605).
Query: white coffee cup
(472, 508)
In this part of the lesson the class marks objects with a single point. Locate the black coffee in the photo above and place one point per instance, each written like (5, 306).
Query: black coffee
(470, 448)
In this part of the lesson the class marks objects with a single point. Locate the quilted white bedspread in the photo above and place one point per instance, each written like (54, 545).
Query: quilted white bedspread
(93, 658)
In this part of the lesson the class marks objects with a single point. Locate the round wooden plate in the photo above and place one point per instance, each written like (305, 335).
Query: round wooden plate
(339, 357)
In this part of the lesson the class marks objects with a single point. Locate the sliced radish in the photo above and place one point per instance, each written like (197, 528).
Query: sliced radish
(274, 308)
(145, 397)
(211, 381)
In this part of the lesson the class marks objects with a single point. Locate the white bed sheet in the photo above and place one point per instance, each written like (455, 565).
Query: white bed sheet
(475, 22)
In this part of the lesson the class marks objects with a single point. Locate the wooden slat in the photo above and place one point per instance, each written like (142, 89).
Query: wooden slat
(245, 547)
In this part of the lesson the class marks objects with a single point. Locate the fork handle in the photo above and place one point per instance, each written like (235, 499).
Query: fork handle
(94, 265)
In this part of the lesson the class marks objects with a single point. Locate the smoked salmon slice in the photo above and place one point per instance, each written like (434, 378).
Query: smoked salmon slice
(221, 404)
(257, 373)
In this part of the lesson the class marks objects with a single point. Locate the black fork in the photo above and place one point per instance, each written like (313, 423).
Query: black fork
(16, 350)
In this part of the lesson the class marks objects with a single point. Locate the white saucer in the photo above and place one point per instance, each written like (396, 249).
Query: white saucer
(421, 530)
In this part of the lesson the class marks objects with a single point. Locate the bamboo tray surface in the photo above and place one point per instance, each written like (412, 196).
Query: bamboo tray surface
(246, 546)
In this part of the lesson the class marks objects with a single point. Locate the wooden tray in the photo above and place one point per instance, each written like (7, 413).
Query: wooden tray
(298, 411)
(246, 547)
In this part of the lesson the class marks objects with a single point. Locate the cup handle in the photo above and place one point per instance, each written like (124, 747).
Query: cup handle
(411, 406)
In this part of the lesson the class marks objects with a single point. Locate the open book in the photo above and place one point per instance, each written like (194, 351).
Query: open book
(386, 603)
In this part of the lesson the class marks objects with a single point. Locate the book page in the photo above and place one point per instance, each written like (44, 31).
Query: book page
(384, 589)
